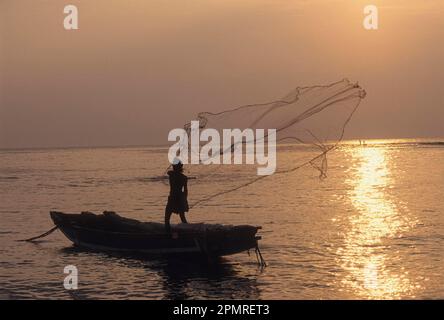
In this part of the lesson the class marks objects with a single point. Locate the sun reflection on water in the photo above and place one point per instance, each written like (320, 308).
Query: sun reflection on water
(372, 266)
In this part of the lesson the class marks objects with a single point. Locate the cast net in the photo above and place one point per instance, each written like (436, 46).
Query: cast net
(309, 123)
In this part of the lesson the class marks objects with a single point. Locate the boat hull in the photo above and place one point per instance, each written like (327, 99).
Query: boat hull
(212, 243)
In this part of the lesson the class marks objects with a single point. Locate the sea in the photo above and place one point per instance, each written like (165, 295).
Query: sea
(372, 229)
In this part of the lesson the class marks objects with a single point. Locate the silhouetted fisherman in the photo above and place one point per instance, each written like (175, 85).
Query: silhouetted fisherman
(177, 200)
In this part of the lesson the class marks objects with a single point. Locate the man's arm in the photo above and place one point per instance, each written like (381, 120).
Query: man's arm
(185, 187)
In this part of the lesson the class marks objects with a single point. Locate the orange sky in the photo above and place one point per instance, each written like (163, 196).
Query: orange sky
(136, 69)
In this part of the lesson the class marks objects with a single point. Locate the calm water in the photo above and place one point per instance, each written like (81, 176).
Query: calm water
(373, 229)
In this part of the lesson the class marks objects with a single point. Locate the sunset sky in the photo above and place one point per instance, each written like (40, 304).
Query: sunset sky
(136, 69)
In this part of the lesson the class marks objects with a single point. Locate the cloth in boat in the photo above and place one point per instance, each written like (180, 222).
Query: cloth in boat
(177, 200)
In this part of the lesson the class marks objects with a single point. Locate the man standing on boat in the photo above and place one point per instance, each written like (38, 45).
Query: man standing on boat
(177, 200)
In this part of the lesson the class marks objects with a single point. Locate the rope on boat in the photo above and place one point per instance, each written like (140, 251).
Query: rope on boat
(40, 236)
(259, 257)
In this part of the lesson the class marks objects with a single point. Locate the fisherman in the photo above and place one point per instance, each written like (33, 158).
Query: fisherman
(177, 200)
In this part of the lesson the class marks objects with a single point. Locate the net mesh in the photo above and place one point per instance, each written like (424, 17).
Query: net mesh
(312, 119)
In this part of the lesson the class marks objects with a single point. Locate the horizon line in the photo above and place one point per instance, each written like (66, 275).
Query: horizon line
(434, 139)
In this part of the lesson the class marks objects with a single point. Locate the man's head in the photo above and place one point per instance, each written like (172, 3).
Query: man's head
(177, 165)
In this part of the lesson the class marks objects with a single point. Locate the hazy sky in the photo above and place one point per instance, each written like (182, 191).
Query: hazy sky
(136, 69)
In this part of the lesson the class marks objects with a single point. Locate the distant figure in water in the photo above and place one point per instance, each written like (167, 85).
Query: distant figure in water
(177, 200)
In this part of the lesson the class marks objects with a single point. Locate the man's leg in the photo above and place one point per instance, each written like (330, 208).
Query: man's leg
(167, 220)
(182, 217)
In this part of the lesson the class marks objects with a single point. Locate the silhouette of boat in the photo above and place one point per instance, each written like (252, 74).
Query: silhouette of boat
(111, 232)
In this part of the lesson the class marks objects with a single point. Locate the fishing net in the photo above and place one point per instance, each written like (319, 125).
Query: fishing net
(309, 122)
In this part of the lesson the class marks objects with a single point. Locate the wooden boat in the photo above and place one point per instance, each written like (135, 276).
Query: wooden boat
(111, 232)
